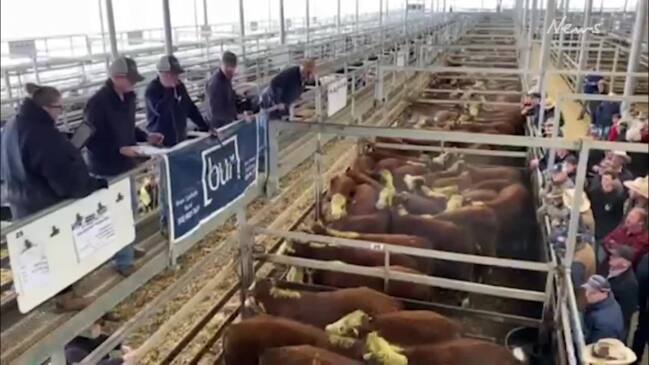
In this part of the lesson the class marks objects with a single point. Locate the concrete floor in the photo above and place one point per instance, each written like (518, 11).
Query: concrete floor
(556, 87)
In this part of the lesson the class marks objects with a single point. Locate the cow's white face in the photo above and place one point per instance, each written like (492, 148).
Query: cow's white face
(349, 324)
(338, 206)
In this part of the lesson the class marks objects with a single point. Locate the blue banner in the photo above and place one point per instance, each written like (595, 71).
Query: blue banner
(205, 177)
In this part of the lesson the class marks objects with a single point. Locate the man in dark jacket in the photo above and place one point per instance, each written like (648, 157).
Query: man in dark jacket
(591, 86)
(111, 111)
(224, 105)
(623, 283)
(40, 166)
(607, 202)
(641, 335)
(112, 149)
(286, 87)
(603, 316)
(168, 104)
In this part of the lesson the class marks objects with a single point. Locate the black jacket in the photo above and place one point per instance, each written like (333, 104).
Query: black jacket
(114, 123)
(40, 166)
(287, 86)
(625, 290)
(221, 99)
(608, 209)
(167, 110)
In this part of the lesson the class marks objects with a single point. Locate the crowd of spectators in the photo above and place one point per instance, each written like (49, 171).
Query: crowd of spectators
(610, 268)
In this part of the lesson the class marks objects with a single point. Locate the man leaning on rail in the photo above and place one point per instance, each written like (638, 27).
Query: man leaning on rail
(112, 148)
(286, 87)
(41, 167)
(168, 104)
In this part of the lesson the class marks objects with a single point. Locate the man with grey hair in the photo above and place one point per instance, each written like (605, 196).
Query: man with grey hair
(224, 105)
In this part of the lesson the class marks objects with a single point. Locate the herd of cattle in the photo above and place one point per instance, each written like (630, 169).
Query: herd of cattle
(351, 327)
(405, 198)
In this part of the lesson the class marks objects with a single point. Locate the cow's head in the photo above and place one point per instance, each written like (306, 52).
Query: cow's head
(338, 206)
(382, 352)
(386, 196)
(349, 325)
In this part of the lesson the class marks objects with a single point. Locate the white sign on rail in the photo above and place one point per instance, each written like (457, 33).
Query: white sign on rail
(336, 95)
(54, 251)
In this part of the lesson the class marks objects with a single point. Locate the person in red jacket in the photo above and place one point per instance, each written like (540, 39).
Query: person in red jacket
(632, 232)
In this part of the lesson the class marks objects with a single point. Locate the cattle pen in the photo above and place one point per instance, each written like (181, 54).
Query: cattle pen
(418, 165)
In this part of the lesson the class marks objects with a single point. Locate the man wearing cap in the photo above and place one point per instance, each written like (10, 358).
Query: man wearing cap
(224, 105)
(111, 111)
(603, 316)
(624, 284)
(168, 104)
(632, 232)
(287, 86)
(607, 203)
(111, 149)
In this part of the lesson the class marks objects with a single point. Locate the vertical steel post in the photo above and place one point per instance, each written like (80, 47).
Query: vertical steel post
(246, 242)
(166, 18)
(545, 53)
(573, 225)
(338, 17)
(530, 39)
(380, 25)
(242, 30)
(282, 23)
(526, 5)
(205, 22)
(616, 59)
(308, 25)
(583, 52)
(405, 20)
(562, 35)
(639, 27)
(356, 19)
(112, 35)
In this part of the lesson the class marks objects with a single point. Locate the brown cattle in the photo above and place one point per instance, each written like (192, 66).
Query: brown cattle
(417, 204)
(396, 288)
(244, 342)
(363, 178)
(462, 181)
(481, 221)
(364, 200)
(510, 203)
(494, 172)
(404, 328)
(479, 195)
(364, 164)
(445, 236)
(352, 255)
(343, 185)
(389, 238)
(491, 184)
(320, 309)
(462, 351)
(389, 164)
(378, 222)
(304, 355)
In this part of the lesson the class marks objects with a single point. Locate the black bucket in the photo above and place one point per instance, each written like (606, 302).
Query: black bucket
(527, 338)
